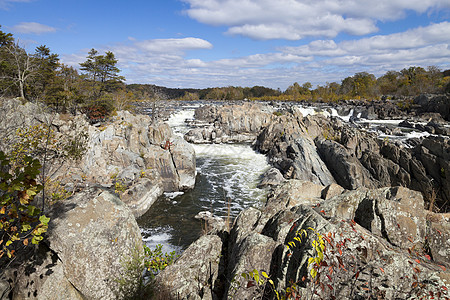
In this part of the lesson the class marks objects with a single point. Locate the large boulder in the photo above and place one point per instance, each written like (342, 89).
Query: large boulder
(92, 237)
(230, 123)
(195, 273)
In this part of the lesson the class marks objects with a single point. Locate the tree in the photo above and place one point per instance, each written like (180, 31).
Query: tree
(363, 84)
(103, 79)
(294, 90)
(47, 64)
(19, 68)
(22, 67)
(101, 67)
(388, 83)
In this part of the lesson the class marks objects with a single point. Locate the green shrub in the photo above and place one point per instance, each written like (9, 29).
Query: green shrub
(21, 223)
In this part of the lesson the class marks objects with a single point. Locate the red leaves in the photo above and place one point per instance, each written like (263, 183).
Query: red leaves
(382, 270)
(417, 261)
(442, 267)
(427, 256)
(330, 270)
(293, 226)
(250, 284)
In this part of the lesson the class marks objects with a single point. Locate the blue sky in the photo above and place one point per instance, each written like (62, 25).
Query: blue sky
(207, 43)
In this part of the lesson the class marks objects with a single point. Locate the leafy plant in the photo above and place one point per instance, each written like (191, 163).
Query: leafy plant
(20, 221)
(335, 269)
(120, 186)
(156, 260)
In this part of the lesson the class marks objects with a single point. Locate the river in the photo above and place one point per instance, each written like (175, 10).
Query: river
(227, 176)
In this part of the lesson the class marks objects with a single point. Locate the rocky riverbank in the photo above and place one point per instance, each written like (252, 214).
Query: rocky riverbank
(378, 242)
(366, 199)
(93, 237)
(349, 215)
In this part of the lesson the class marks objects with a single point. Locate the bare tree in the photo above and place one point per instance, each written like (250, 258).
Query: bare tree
(23, 65)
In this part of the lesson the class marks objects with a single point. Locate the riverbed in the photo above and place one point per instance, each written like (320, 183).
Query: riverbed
(226, 183)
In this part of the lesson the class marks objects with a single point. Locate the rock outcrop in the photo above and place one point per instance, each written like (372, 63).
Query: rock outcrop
(91, 238)
(134, 158)
(325, 150)
(374, 241)
(434, 103)
(229, 123)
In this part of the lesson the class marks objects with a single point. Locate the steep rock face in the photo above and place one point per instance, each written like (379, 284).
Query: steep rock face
(131, 141)
(91, 236)
(133, 157)
(434, 103)
(373, 234)
(288, 142)
(326, 150)
(230, 123)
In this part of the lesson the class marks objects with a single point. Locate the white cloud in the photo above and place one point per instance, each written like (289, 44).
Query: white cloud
(166, 62)
(6, 4)
(296, 19)
(32, 27)
(173, 45)
(411, 39)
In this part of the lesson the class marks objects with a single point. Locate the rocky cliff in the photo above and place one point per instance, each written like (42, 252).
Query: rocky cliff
(92, 238)
(229, 123)
(377, 243)
(136, 159)
(324, 150)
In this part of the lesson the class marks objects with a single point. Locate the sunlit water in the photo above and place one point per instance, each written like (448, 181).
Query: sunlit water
(227, 176)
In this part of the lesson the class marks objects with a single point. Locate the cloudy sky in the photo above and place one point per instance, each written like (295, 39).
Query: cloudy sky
(206, 43)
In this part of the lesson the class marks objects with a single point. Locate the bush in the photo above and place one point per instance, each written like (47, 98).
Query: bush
(21, 223)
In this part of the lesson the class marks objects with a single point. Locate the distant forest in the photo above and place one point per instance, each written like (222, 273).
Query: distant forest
(97, 89)
(402, 84)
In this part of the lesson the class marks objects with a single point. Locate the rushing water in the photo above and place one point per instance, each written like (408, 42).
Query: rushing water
(227, 176)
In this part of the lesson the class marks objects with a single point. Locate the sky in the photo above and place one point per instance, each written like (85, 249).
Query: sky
(215, 43)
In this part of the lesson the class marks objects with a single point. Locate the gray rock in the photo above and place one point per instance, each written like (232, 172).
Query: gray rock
(92, 234)
(141, 195)
(194, 274)
(369, 232)
(213, 223)
(307, 163)
(271, 177)
(332, 190)
(183, 157)
(345, 167)
(46, 281)
(229, 123)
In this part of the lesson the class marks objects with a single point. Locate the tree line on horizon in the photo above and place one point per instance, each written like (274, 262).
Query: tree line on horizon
(97, 89)
(405, 83)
